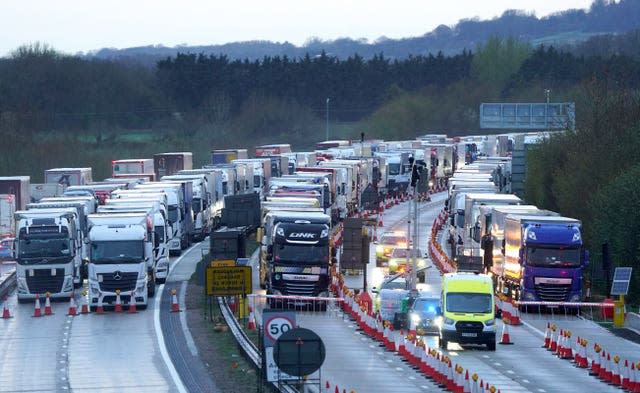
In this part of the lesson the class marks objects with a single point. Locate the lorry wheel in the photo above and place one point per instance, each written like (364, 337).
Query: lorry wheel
(444, 343)
(151, 288)
(491, 345)
(161, 281)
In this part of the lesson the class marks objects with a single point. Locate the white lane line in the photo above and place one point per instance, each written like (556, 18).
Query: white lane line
(163, 348)
(158, 329)
(183, 320)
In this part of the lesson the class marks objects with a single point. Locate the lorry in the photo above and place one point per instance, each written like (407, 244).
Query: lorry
(544, 259)
(295, 255)
(180, 222)
(226, 156)
(166, 164)
(120, 259)
(48, 252)
(201, 204)
(161, 229)
(472, 202)
(68, 176)
(132, 166)
(272, 150)
(18, 186)
(261, 173)
(7, 211)
(215, 179)
(467, 310)
(41, 190)
(83, 207)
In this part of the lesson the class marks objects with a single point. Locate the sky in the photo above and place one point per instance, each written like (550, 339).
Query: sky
(73, 26)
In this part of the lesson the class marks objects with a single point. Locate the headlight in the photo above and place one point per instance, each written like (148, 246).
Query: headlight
(529, 296)
(574, 299)
(277, 293)
(490, 322)
(448, 321)
(415, 318)
(280, 231)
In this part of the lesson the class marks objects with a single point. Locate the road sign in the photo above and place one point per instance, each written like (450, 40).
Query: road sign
(222, 262)
(228, 280)
(621, 279)
(277, 323)
(299, 352)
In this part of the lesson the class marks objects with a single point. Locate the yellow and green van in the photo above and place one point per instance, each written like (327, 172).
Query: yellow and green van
(467, 312)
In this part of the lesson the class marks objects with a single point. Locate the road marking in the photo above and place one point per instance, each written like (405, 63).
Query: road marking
(526, 381)
(510, 372)
(183, 321)
(160, 337)
(542, 390)
(497, 364)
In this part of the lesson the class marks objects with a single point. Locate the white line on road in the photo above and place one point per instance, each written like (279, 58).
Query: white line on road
(156, 325)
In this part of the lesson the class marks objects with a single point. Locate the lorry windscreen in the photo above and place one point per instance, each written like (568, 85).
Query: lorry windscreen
(464, 302)
(394, 169)
(159, 231)
(121, 251)
(197, 205)
(553, 257)
(257, 181)
(173, 214)
(33, 249)
(301, 253)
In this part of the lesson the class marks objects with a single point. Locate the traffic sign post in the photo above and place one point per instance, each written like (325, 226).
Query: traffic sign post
(275, 324)
(228, 280)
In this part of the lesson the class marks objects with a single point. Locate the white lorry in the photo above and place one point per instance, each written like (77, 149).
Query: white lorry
(175, 203)
(121, 258)
(47, 252)
(161, 228)
(201, 204)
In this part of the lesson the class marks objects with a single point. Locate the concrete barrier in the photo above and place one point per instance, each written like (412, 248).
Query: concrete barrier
(632, 321)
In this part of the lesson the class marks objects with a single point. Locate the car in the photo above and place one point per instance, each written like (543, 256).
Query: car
(400, 260)
(392, 297)
(386, 243)
(6, 249)
(423, 313)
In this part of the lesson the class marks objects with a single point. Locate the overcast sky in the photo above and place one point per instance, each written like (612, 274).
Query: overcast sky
(73, 26)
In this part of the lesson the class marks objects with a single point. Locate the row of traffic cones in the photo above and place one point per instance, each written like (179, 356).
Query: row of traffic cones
(432, 363)
(608, 368)
(73, 309)
(327, 389)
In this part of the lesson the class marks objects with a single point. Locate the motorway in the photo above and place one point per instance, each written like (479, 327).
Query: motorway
(356, 362)
(129, 352)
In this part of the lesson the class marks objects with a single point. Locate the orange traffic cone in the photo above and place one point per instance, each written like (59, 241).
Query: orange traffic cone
(547, 334)
(100, 307)
(47, 306)
(85, 304)
(132, 304)
(327, 386)
(251, 325)
(37, 311)
(380, 224)
(505, 335)
(73, 310)
(118, 307)
(175, 307)
(5, 311)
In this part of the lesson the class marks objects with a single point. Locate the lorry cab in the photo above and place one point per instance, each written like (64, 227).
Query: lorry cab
(467, 310)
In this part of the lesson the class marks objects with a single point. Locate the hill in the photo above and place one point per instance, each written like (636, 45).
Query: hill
(564, 28)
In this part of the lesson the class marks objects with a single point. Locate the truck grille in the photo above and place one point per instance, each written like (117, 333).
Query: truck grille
(294, 288)
(469, 327)
(43, 281)
(552, 293)
(125, 283)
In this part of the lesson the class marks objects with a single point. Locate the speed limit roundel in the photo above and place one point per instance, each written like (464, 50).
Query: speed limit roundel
(276, 326)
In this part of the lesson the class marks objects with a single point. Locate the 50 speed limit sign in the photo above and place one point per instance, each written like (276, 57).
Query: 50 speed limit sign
(275, 324)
